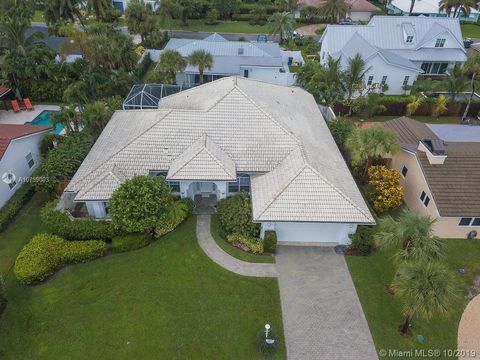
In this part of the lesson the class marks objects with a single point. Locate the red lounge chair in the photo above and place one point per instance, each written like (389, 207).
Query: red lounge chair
(15, 106)
(28, 104)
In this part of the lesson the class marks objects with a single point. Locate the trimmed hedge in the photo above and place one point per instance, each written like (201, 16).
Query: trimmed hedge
(14, 205)
(130, 242)
(270, 241)
(246, 243)
(362, 241)
(235, 215)
(59, 223)
(47, 253)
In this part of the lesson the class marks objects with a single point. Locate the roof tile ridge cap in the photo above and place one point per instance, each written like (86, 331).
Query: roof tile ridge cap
(189, 160)
(287, 184)
(276, 122)
(124, 147)
(345, 196)
(218, 160)
(95, 183)
(224, 96)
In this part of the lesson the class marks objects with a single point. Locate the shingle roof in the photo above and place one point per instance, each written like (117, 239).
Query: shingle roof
(295, 191)
(203, 160)
(255, 124)
(9, 132)
(452, 182)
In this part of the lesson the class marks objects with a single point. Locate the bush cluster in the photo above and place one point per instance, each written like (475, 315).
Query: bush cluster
(235, 216)
(270, 241)
(362, 240)
(143, 67)
(59, 223)
(46, 144)
(47, 253)
(387, 192)
(14, 204)
(129, 242)
(170, 221)
(247, 243)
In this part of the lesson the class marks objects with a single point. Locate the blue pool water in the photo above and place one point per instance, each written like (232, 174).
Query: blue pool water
(44, 119)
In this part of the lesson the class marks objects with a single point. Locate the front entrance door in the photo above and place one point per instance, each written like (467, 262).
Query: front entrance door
(206, 187)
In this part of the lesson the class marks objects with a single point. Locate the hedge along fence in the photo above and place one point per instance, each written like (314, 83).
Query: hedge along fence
(15, 204)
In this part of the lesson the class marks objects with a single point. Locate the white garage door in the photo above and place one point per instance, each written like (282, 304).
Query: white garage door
(314, 232)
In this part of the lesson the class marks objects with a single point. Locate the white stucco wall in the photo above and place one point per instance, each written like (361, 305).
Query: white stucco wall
(14, 161)
(311, 232)
(360, 15)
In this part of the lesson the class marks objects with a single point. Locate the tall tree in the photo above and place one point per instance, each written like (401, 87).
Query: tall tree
(369, 144)
(281, 24)
(291, 5)
(412, 237)
(99, 7)
(472, 68)
(456, 82)
(353, 78)
(68, 10)
(412, 5)
(169, 64)
(426, 289)
(182, 9)
(226, 8)
(140, 19)
(202, 59)
(334, 10)
(447, 6)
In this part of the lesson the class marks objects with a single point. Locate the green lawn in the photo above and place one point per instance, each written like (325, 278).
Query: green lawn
(425, 119)
(232, 250)
(372, 274)
(470, 30)
(38, 16)
(165, 301)
(222, 26)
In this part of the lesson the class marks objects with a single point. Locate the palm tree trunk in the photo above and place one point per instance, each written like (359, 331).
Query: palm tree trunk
(406, 324)
(472, 84)
(200, 71)
(412, 4)
(184, 18)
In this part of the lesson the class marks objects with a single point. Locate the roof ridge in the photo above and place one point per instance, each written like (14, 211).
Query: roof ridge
(101, 178)
(217, 160)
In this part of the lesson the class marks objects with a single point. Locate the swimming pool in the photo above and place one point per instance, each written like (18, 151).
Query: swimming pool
(44, 119)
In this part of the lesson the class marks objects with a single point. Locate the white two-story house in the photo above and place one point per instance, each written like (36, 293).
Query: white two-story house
(397, 49)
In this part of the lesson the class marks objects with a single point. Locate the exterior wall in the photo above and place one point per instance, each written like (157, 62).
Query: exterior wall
(311, 232)
(360, 15)
(191, 188)
(96, 209)
(13, 161)
(413, 184)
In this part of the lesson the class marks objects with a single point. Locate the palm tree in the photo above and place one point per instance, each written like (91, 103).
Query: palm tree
(334, 9)
(281, 24)
(203, 60)
(56, 10)
(353, 77)
(414, 104)
(177, 211)
(447, 6)
(99, 7)
(412, 4)
(291, 5)
(412, 235)
(170, 63)
(472, 67)
(369, 144)
(463, 6)
(456, 82)
(426, 289)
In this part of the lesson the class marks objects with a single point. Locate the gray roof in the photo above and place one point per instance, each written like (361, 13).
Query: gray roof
(456, 133)
(253, 124)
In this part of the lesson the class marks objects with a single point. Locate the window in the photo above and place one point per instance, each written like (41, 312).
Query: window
(409, 39)
(12, 184)
(30, 161)
(465, 221)
(424, 198)
(174, 185)
(241, 184)
(245, 73)
(384, 80)
(370, 80)
(476, 222)
(105, 205)
(404, 171)
(440, 43)
(405, 80)
(434, 68)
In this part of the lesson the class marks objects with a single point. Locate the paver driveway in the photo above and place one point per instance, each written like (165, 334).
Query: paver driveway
(322, 315)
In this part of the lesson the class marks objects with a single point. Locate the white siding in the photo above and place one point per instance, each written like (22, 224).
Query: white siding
(14, 161)
(360, 15)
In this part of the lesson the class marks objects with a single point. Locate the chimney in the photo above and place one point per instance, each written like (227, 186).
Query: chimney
(434, 149)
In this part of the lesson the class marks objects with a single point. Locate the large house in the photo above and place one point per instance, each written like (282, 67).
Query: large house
(232, 135)
(264, 61)
(429, 8)
(358, 10)
(397, 49)
(440, 167)
(19, 156)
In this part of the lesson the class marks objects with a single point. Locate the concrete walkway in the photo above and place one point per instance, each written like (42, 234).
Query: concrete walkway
(214, 252)
(468, 341)
(322, 315)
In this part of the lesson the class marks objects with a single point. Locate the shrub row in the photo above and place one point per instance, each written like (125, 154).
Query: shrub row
(270, 241)
(14, 204)
(362, 240)
(46, 253)
(143, 66)
(246, 243)
(129, 242)
(235, 216)
(59, 223)
(169, 223)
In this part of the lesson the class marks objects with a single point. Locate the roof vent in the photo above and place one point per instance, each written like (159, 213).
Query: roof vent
(240, 51)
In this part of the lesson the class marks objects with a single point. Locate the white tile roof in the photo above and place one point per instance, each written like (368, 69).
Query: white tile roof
(423, 7)
(255, 124)
(203, 160)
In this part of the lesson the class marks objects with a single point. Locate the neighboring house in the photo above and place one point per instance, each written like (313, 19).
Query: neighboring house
(256, 60)
(232, 135)
(121, 5)
(359, 10)
(427, 8)
(19, 156)
(440, 167)
(397, 49)
(54, 42)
